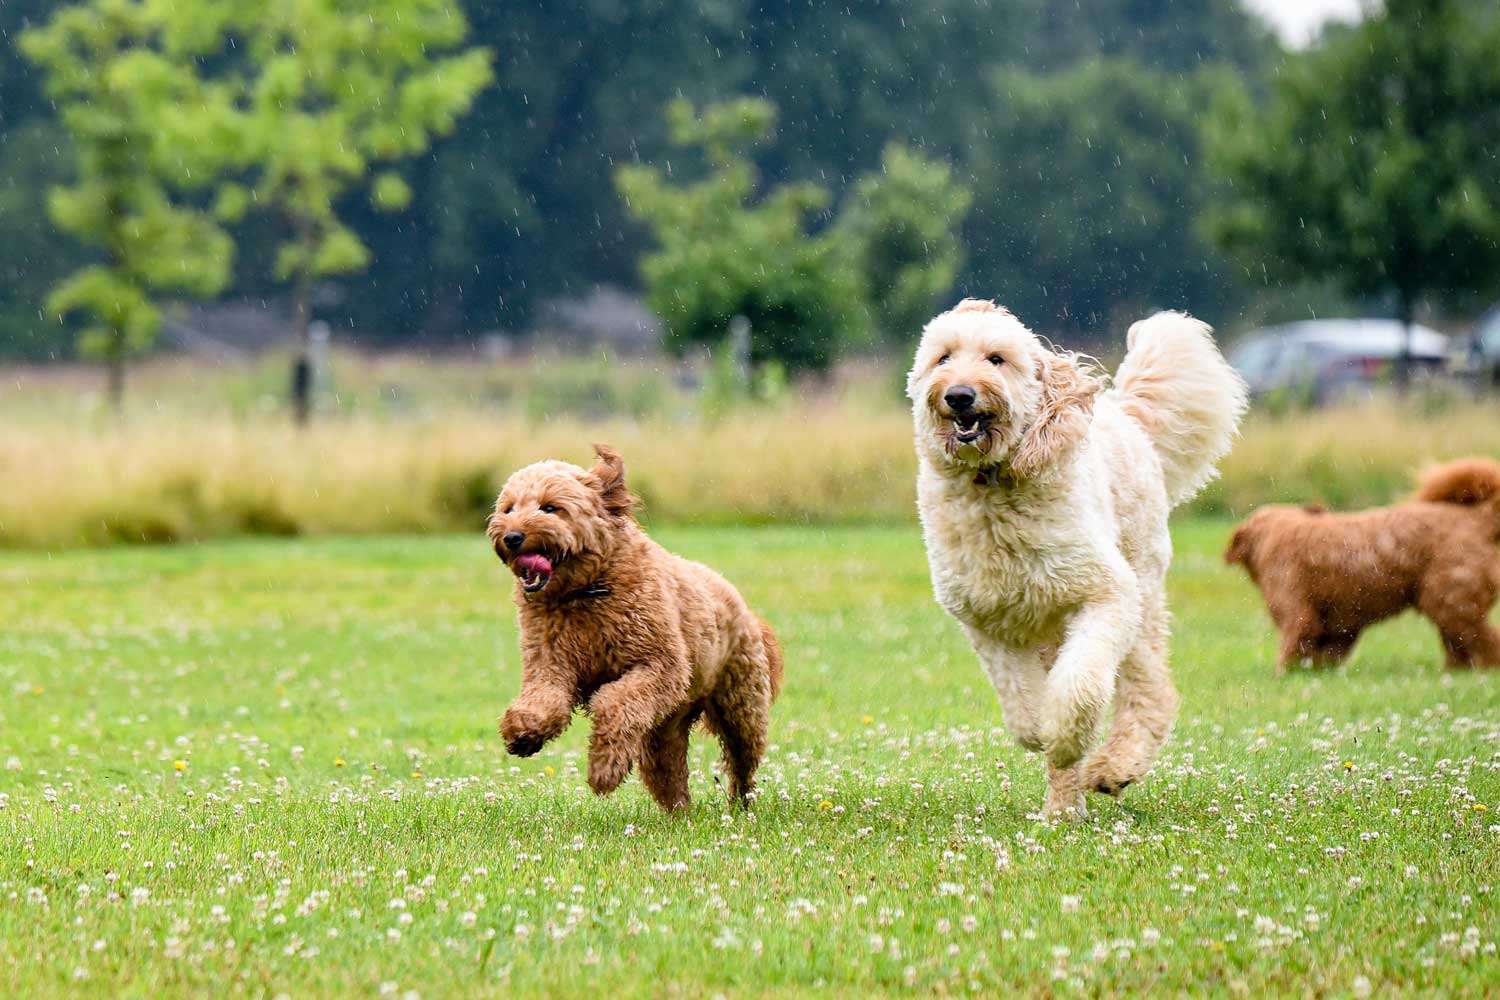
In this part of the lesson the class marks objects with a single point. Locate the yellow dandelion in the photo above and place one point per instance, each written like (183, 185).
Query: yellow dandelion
(868, 719)
(824, 805)
(180, 765)
(1480, 807)
(338, 762)
(548, 771)
(36, 690)
(1348, 765)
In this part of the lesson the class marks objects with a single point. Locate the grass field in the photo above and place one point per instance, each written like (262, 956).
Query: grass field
(268, 766)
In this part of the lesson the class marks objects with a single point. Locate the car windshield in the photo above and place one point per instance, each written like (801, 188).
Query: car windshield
(1489, 335)
(1256, 357)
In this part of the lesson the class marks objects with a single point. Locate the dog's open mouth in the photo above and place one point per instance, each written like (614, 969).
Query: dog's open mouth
(533, 569)
(969, 427)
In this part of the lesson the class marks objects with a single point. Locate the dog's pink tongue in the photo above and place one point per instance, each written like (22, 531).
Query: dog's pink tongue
(534, 562)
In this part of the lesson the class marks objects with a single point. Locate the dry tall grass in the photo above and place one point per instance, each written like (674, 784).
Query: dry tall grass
(173, 480)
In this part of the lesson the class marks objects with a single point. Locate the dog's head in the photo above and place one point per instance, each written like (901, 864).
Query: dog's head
(1246, 542)
(1242, 545)
(986, 392)
(555, 524)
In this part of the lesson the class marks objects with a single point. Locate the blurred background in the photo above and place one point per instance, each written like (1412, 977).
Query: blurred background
(287, 266)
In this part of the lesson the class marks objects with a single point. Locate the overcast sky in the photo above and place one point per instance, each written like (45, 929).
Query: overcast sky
(1298, 20)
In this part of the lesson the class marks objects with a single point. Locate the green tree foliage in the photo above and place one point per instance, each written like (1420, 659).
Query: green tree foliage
(1373, 161)
(725, 250)
(334, 87)
(145, 129)
(901, 227)
(515, 206)
(1088, 184)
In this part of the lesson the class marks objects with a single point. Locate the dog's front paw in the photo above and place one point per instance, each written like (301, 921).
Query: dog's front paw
(524, 735)
(1069, 734)
(607, 769)
(1106, 776)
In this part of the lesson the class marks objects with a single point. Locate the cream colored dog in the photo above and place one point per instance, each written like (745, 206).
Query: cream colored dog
(1044, 506)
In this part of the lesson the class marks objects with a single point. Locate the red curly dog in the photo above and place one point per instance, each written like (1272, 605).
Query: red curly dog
(1326, 577)
(646, 641)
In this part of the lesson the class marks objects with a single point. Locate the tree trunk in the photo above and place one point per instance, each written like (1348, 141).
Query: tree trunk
(115, 372)
(1404, 309)
(302, 373)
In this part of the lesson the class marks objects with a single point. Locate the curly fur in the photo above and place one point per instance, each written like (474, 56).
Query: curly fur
(645, 641)
(1327, 577)
(1046, 525)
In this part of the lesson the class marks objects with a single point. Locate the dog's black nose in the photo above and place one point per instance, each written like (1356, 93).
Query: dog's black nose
(960, 398)
(513, 539)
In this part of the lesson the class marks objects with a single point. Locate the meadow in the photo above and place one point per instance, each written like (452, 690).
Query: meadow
(408, 445)
(268, 766)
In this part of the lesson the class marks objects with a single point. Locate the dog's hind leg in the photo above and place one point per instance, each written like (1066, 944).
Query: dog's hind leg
(1458, 603)
(739, 713)
(664, 764)
(1145, 704)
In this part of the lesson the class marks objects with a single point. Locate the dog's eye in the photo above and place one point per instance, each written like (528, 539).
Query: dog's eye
(944, 359)
(548, 508)
(996, 360)
(510, 509)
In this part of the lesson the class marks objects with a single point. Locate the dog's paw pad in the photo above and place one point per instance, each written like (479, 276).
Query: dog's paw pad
(524, 744)
(1111, 786)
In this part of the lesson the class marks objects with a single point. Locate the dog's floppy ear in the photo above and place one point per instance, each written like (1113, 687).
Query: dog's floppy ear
(1240, 545)
(609, 479)
(1063, 418)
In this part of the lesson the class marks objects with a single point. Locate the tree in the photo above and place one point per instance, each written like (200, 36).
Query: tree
(1087, 182)
(145, 129)
(1372, 162)
(333, 87)
(902, 226)
(722, 252)
(515, 207)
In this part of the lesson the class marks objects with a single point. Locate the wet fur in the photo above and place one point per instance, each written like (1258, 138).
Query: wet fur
(1047, 536)
(1326, 577)
(646, 642)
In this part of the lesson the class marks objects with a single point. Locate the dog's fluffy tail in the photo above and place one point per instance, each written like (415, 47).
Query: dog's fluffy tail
(1177, 386)
(773, 657)
(1469, 482)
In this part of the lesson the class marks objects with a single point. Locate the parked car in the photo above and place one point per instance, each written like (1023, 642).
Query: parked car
(1330, 360)
(1481, 360)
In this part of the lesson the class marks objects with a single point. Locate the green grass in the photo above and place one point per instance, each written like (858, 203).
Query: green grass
(347, 823)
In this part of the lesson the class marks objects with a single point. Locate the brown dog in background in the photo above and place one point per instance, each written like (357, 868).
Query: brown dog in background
(647, 642)
(1325, 577)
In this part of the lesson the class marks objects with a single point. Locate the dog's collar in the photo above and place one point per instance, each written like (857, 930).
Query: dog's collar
(586, 592)
(992, 475)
